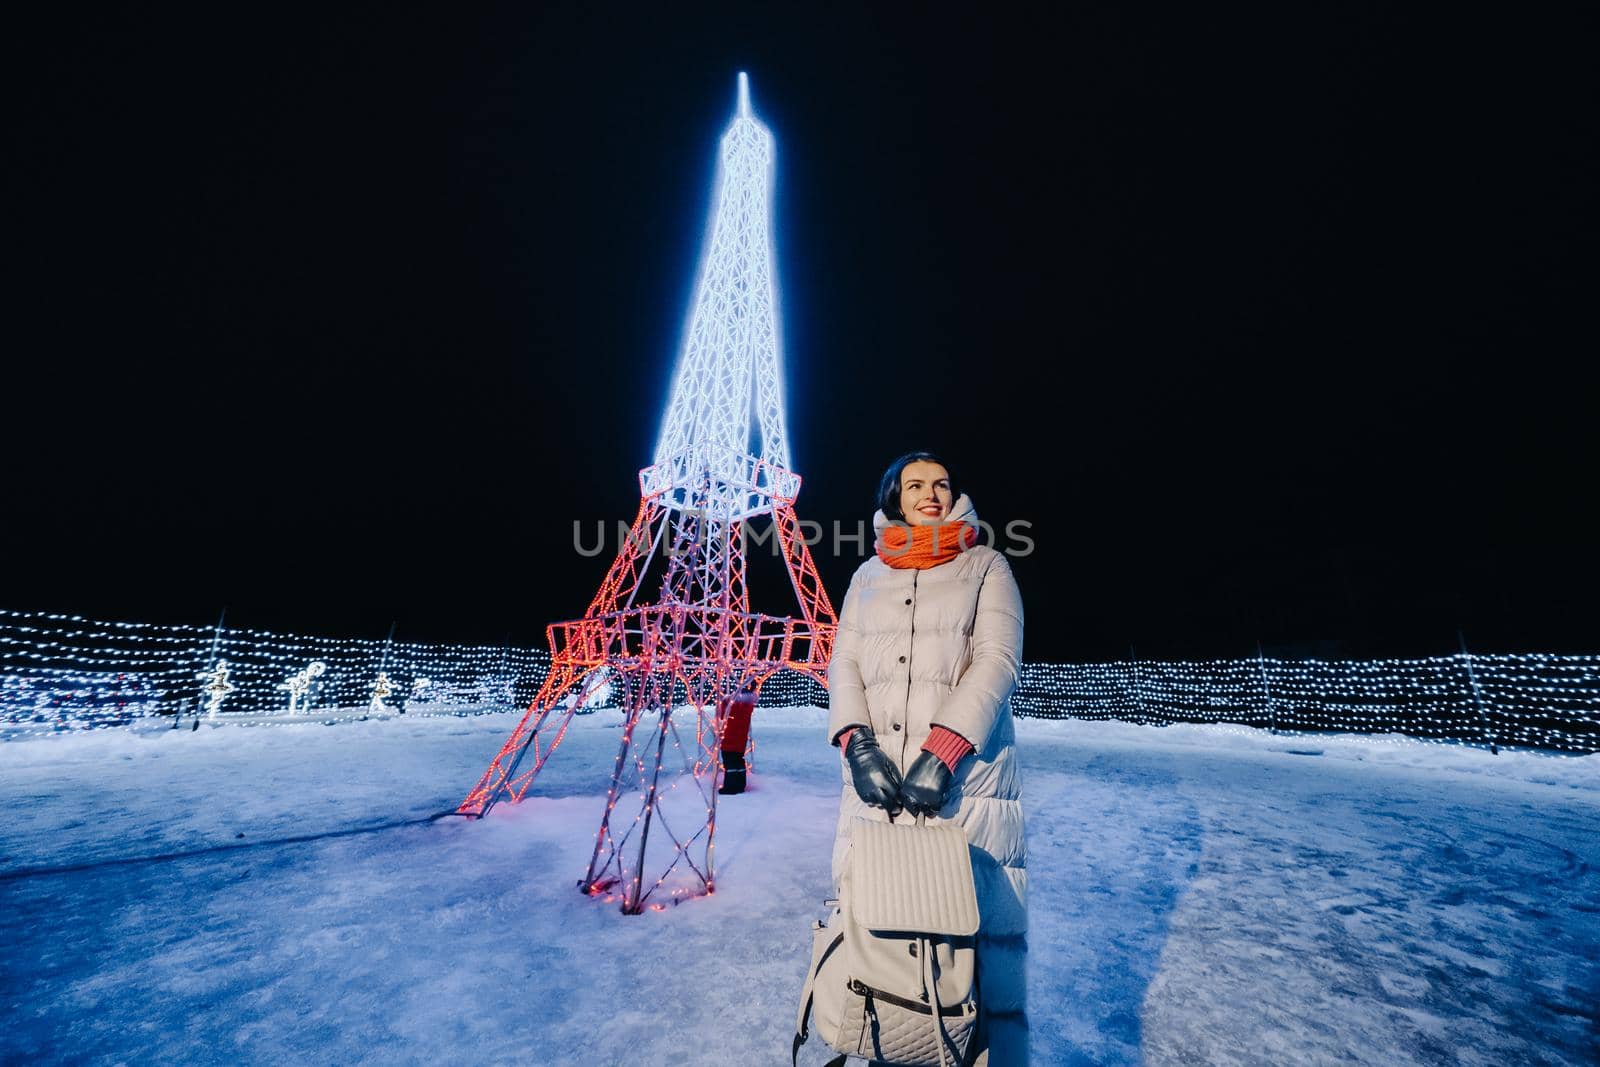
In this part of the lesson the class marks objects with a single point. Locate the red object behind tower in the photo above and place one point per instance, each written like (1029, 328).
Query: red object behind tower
(736, 727)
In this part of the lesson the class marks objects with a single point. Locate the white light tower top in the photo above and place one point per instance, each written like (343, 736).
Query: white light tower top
(729, 366)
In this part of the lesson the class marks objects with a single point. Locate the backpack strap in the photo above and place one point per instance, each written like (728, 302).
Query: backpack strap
(930, 981)
(801, 1031)
(940, 1036)
(977, 994)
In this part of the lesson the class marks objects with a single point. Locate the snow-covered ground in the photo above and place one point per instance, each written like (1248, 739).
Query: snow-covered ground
(1198, 895)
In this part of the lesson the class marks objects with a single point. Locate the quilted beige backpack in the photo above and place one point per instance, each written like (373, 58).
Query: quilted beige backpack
(893, 974)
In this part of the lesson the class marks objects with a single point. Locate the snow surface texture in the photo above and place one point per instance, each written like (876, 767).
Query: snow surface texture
(1198, 895)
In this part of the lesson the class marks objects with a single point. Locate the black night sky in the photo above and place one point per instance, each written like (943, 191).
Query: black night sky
(1276, 326)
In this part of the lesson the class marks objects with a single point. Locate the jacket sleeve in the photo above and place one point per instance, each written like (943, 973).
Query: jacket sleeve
(847, 693)
(972, 709)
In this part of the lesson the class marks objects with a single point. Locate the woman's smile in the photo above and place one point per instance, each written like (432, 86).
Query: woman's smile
(925, 496)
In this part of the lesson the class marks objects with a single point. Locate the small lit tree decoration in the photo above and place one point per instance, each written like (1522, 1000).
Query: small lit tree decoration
(380, 689)
(299, 684)
(699, 641)
(217, 687)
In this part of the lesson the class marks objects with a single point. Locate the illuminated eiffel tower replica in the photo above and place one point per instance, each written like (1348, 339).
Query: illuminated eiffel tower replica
(671, 661)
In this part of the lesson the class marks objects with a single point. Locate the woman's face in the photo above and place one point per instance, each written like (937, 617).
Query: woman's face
(925, 493)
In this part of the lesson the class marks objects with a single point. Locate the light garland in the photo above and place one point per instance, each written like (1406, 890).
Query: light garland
(65, 672)
(62, 672)
(1529, 700)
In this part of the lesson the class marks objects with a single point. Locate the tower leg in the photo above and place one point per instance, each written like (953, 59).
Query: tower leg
(595, 880)
(540, 733)
(650, 861)
(633, 901)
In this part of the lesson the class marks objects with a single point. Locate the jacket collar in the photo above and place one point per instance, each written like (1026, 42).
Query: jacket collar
(960, 511)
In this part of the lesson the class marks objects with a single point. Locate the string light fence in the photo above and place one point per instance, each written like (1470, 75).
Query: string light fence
(61, 672)
(1532, 700)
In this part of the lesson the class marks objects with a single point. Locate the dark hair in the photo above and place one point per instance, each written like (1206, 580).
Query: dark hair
(889, 487)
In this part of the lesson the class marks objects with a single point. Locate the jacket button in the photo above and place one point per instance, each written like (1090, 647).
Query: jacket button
(897, 726)
(902, 659)
(908, 600)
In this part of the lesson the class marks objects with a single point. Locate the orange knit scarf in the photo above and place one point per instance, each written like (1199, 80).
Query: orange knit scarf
(921, 547)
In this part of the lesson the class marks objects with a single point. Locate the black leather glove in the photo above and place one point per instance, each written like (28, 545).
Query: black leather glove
(927, 785)
(876, 778)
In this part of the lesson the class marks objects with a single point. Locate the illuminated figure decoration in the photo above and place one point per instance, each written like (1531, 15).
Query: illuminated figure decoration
(380, 689)
(313, 696)
(217, 687)
(671, 661)
(300, 685)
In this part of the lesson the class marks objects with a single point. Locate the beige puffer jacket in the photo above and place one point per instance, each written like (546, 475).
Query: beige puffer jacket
(943, 646)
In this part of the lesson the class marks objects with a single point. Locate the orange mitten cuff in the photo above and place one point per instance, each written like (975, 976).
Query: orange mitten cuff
(949, 746)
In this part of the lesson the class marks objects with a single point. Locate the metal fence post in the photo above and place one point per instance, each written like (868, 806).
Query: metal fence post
(1477, 694)
(1266, 691)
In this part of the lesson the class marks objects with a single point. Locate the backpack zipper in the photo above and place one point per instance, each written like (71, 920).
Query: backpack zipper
(860, 988)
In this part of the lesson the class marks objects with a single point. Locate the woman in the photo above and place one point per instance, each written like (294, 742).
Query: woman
(927, 654)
